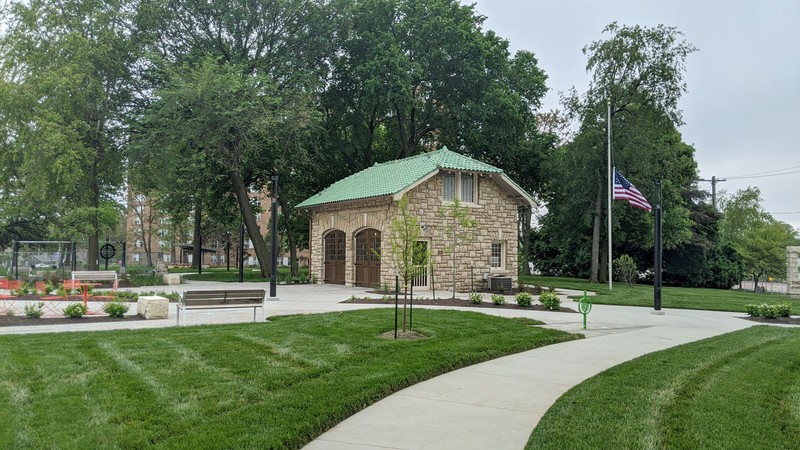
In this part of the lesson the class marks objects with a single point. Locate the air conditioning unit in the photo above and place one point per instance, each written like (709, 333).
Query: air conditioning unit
(500, 283)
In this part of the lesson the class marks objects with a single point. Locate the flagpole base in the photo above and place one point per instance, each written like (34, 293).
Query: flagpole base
(657, 312)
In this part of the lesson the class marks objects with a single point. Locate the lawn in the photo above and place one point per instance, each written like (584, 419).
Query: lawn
(263, 385)
(739, 390)
(232, 275)
(671, 297)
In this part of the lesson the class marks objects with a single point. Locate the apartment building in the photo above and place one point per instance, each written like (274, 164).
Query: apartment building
(169, 240)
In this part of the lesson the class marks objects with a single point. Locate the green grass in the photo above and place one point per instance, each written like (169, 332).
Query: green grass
(740, 390)
(671, 297)
(249, 275)
(263, 385)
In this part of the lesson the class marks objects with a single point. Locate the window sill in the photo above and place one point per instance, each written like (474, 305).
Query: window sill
(465, 204)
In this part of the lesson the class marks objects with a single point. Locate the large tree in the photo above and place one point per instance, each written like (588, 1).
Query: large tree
(755, 234)
(254, 112)
(228, 124)
(639, 72)
(413, 74)
(65, 68)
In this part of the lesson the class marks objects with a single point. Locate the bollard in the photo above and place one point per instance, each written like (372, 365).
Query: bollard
(584, 307)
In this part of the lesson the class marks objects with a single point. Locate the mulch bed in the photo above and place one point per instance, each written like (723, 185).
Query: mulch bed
(460, 302)
(780, 320)
(22, 320)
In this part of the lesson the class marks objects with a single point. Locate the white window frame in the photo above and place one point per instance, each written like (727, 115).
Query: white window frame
(458, 193)
(502, 262)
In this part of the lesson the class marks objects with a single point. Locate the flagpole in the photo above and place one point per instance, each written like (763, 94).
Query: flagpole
(610, 192)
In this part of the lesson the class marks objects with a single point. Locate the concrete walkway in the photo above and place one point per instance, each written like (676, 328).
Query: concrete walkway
(495, 404)
(498, 403)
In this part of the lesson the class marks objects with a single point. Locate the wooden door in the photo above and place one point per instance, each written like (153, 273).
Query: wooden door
(334, 257)
(368, 258)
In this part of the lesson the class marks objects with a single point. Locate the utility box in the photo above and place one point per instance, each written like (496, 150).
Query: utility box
(500, 283)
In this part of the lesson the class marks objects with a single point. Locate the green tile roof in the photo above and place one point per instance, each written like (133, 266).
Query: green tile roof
(392, 177)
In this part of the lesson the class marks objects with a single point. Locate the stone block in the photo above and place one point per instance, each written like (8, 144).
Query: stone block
(153, 307)
(172, 279)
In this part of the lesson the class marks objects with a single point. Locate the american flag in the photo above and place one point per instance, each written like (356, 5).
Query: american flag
(624, 190)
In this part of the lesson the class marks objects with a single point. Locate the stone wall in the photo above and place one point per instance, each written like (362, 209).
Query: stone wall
(792, 276)
(495, 213)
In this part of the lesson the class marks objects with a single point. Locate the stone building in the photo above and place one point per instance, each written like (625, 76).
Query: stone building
(793, 271)
(351, 222)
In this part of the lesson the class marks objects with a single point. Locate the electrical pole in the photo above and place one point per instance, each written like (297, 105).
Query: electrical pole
(714, 180)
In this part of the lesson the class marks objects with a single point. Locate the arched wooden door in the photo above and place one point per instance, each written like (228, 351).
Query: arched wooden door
(334, 257)
(368, 258)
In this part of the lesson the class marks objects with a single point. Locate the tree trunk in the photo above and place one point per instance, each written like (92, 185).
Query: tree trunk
(598, 211)
(197, 243)
(603, 276)
(250, 223)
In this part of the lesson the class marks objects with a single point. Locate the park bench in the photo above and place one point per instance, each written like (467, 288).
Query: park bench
(221, 299)
(79, 276)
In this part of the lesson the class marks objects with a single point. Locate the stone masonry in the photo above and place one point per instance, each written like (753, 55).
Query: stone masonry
(495, 212)
(792, 276)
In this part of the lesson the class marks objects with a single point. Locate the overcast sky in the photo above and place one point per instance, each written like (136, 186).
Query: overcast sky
(742, 111)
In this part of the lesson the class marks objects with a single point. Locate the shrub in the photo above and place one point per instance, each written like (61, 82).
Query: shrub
(550, 300)
(521, 287)
(766, 311)
(625, 269)
(782, 309)
(126, 296)
(476, 298)
(115, 308)
(34, 311)
(75, 310)
(537, 289)
(524, 299)
(498, 299)
(10, 313)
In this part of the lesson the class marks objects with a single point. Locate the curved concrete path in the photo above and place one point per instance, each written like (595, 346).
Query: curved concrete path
(495, 404)
(498, 403)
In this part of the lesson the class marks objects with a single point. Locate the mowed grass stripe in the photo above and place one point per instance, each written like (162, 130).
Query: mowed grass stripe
(672, 297)
(739, 390)
(263, 385)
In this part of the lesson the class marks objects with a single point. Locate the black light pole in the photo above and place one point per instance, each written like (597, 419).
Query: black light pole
(241, 253)
(657, 255)
(273, 287)
(124, 266)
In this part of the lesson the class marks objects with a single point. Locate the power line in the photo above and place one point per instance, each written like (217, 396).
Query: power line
(770, 173)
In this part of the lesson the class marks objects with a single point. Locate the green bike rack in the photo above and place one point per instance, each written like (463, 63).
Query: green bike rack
(584, 307)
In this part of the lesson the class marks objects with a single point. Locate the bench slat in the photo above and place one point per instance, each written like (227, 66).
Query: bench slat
(223, 302)
(94, 275)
